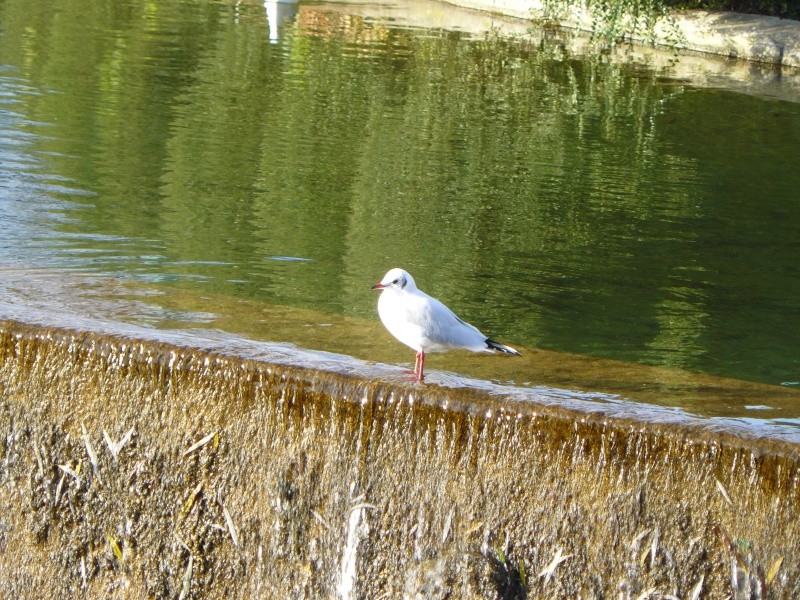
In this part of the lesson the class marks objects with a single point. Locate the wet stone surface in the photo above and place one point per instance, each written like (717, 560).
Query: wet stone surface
(137, 469)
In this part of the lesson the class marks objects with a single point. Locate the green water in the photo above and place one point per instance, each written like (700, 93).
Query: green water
(557, 202)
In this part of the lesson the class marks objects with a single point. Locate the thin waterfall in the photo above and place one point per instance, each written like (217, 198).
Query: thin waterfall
(133, 467)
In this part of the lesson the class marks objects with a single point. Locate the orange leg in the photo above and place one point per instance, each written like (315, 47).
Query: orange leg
(419, 366)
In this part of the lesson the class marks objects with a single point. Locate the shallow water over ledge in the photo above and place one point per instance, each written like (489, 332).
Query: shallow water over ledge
(340, 344)
(662, 403)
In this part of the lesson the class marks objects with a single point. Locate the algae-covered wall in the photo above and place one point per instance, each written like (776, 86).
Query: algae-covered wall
(137, 469)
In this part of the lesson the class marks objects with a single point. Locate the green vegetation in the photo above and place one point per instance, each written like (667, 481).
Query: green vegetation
(787, 9)
(614, 21)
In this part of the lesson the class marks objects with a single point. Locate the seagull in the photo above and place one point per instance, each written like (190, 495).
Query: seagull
(425, 324)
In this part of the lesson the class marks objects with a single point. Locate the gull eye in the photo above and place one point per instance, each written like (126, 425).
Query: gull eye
(395, 282)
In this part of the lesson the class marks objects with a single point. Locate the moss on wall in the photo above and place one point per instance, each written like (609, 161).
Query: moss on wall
(137, 469)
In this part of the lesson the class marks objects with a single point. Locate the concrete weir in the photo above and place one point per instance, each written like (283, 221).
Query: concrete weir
(134, 468)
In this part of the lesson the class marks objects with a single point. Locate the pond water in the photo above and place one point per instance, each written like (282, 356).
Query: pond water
(192, 164)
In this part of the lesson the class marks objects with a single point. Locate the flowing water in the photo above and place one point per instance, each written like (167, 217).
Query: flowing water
(255, 167)
(133, 468)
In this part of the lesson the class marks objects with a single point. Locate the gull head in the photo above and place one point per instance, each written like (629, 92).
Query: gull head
(396, 279)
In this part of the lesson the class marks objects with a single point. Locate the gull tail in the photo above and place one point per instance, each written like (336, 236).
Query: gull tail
(492, 345)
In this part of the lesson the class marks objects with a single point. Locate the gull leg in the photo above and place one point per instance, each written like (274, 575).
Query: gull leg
(419, 367)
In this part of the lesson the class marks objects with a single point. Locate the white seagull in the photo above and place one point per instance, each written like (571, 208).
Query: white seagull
(424, 323)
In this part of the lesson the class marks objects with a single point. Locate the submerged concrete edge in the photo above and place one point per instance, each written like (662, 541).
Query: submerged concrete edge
(494, 401)
(755, 38)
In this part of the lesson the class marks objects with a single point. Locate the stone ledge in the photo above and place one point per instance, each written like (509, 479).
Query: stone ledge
(132, 467)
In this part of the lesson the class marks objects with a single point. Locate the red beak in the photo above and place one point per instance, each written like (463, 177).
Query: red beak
(378, 286)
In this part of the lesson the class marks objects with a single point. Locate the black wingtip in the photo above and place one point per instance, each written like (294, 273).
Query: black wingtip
(491, 344)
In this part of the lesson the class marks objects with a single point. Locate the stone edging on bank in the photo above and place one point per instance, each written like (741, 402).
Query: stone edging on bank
(755, 38)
